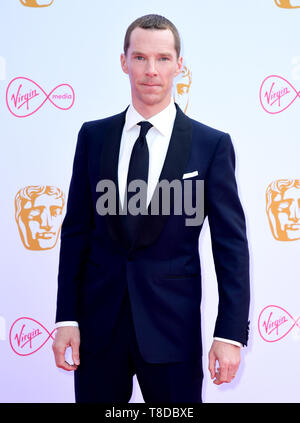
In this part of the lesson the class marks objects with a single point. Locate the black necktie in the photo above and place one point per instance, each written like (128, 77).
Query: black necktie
(137, 170)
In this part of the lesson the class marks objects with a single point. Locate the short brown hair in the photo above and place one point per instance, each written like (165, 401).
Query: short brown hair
(153, 22)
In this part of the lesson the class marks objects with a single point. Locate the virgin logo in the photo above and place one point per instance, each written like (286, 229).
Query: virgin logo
(27, 336)
(276, 94)
(274, 323)
(25, 97)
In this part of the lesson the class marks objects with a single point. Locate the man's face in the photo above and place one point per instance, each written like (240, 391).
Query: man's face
(286, 210)
(42, 219)
(152, 64)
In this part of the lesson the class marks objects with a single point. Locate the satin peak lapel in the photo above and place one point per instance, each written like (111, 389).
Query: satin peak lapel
(109, 170)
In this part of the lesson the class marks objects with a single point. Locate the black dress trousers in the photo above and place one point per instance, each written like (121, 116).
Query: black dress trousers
(108, 377)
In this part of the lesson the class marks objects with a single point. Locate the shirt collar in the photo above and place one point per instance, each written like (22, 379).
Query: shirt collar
(162, 121)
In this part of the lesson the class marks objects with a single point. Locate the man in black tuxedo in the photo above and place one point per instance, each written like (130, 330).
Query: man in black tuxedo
(129, 287)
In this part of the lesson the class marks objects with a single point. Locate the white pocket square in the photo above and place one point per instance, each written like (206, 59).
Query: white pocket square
(190, 174)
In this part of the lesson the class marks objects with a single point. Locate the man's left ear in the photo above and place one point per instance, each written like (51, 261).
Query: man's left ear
(124, 63)
(179, 65)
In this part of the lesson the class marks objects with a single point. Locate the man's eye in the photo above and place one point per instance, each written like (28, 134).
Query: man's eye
(34, 213)
(56, 211)
(164, 59)
(283, 206)
(139, 57)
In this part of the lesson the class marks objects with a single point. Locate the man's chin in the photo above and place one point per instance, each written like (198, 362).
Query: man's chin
(293, 235)
(151, 99)
(40, 243)
(45, 245)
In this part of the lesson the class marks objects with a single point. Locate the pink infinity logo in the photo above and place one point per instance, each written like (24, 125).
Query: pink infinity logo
(25, 97)
(27, 336)
(274, 323)
(276, 94)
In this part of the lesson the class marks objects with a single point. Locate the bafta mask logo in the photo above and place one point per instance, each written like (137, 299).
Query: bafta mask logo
(38, 212)
(37, 3)
(288, 4)
(283, 209)
(182, 88)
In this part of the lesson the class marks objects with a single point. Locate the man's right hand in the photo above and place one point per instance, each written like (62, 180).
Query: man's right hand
(66, 336)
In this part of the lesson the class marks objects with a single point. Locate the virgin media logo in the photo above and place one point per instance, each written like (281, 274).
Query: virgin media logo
(274, 323)
(27, 336)
(276, 94)
(25, 97)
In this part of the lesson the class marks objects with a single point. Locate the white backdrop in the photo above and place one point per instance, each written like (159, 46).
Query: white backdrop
(230, 48)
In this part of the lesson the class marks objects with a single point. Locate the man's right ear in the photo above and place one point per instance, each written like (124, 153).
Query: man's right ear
(124, 63)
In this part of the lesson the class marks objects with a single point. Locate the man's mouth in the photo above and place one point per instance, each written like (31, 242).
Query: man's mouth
(151, 85)
(294, 227)
(45, 235)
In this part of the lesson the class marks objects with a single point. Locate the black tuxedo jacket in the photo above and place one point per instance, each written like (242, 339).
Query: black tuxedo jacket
(162, 269)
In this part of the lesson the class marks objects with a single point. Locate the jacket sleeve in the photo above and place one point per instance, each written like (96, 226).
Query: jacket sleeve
(229, 244)
(75, 234)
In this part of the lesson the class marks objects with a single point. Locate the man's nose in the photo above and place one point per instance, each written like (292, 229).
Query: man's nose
(151, 68)
(295, 212)
(45, 219)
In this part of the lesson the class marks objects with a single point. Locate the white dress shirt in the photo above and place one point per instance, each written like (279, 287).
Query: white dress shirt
(158, 138)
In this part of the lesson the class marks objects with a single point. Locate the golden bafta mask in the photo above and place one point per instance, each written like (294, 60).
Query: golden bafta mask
(38, 213)
(182, 88)
(37, 3)
(286, 4)
(283, 209)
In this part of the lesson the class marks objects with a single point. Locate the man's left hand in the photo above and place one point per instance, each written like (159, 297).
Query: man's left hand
(228, 357)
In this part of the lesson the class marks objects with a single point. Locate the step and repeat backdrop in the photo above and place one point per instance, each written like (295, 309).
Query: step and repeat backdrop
(59, 67)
